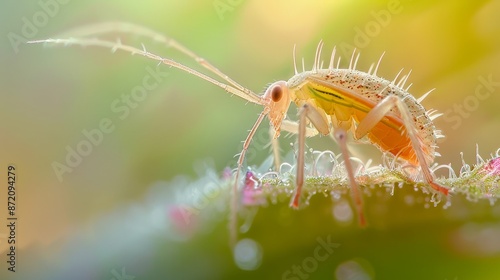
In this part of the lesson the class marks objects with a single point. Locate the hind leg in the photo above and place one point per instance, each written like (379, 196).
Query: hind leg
(379, 112)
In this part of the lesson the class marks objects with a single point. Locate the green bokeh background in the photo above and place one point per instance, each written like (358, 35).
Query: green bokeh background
(49, 95)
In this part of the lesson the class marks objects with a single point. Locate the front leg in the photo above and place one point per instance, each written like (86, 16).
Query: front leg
(319, 120)
(291, 127)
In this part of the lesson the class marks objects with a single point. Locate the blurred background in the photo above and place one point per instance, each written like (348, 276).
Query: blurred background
(53, 97)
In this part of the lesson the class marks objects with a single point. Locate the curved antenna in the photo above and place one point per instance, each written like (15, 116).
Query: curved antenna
(249, 96)
(134, 29)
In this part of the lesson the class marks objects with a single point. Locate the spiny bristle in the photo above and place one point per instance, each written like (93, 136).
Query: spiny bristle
(378, 64)
(408, 87)
(317, 56)
(352, 60)
(435, 116)
(370, 69)
(332, 58)
(438, 134)
(397, 76)
(421, 98)
(356, 61)
(403, 80)
(295, 59)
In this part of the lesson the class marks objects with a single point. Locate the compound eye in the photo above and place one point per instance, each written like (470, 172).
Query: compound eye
(276, 93)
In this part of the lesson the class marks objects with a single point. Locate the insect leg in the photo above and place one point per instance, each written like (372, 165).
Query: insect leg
(379, 112)
(341, 137)
(233, 218)
(291, 127)
(317, 118)
(300, 158)
(275, 146)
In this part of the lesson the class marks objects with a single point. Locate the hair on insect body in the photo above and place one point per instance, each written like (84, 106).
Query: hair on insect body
(331, 101)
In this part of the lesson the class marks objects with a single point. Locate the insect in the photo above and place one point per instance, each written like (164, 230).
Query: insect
(331, 101)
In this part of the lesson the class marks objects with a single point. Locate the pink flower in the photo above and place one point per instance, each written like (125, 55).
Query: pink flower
(492, 167)
(252, 191)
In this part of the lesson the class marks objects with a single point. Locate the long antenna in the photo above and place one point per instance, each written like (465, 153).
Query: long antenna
(94, 30)
(249, 96)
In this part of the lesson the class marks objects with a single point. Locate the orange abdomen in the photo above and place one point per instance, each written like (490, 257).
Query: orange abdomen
(390, 136)
(392, 141)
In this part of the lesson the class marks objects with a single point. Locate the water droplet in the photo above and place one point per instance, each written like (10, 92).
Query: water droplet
(352, 269)
(342, 211)
(410, 200)
(247, 254)
(492, 200)
(249, 219)
(335, 195)
(274, 198)
(308, 198)
(447, 204)
(325, 193)
(479, 239)
(436, 199)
